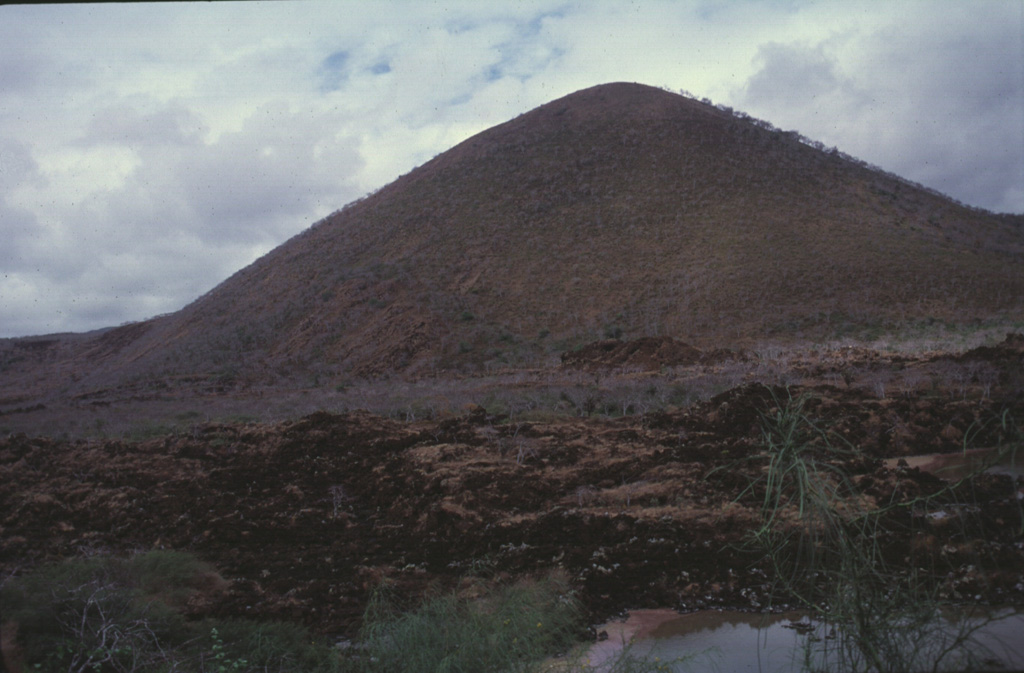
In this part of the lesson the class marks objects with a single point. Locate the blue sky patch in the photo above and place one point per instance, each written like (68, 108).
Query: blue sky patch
(334, 71)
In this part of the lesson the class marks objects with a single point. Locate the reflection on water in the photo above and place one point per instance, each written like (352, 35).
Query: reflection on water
(736, 641)
(707, 640)
(954, 466)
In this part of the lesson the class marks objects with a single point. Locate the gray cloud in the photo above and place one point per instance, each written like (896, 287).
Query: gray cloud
(19, 73)
(186, 216)
(797, 74)
(20, 227)
(137, 127)
(939, 101)
(259, 182)
(17, 165)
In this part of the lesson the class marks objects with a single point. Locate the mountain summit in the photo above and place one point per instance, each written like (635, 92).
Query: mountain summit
(619, 210)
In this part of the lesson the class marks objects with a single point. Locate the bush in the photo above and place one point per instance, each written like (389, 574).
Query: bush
(90, 614)
(274, 646)
(123, 615)
(509, 629)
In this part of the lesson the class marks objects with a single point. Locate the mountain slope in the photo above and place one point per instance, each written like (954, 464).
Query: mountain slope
(620, 209)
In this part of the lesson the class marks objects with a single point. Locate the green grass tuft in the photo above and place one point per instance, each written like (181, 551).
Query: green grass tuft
(824, 545)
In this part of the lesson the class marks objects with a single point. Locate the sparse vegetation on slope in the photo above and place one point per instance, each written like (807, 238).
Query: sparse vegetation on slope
(618, 211)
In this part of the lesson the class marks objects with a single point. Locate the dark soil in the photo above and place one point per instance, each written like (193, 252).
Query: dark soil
(305, 517)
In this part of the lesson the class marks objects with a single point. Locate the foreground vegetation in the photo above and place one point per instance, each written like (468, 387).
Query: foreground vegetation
(827, 549)
(109, 614)
(129, 615)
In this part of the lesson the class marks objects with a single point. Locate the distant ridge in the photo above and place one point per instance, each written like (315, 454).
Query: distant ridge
(619, 210)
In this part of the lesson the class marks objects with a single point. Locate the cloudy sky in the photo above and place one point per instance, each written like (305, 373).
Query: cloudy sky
(148, 151)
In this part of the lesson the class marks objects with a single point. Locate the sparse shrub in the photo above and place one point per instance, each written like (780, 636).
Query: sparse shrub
(271, 646)
(92, 614)
(170, 575)
(613, 332)
(149, 431)
(510, 629)
(104, 614)
(338, 498)
(824, 546)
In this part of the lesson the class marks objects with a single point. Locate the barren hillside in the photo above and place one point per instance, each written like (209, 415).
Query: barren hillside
(620, 210)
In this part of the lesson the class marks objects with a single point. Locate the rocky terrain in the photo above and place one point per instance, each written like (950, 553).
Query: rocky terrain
(303, 518)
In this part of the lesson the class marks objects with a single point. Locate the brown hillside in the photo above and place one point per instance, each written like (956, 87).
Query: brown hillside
(620, 210)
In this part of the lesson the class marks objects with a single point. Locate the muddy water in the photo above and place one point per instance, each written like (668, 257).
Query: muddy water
(736, 641)
(954, 466)
(705, 641)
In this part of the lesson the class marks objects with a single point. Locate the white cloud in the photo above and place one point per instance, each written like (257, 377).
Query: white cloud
(150, 150)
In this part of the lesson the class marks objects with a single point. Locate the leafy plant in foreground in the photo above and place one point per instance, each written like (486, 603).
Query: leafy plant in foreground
(825, 545)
